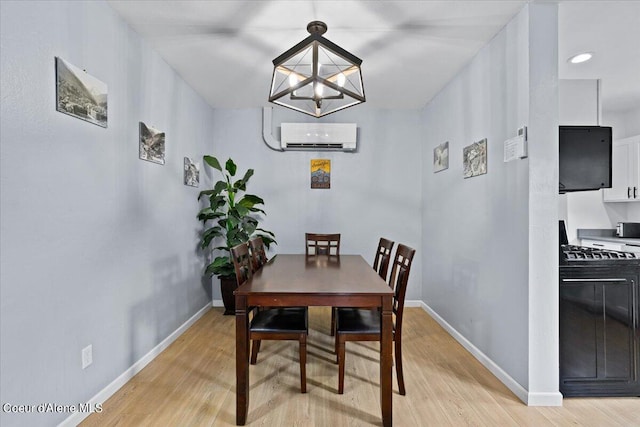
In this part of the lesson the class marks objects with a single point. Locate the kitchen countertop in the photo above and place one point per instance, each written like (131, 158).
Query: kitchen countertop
(606, 235)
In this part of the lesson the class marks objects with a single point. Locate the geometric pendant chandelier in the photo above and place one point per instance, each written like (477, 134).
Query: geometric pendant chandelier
(316, 76)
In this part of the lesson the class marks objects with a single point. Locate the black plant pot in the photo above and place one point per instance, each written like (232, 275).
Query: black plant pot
(227, 286)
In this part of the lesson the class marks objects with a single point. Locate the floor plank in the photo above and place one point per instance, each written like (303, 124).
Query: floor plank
(192, 383)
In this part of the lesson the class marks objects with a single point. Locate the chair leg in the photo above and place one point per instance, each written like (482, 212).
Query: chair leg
(341, 354)
(399, 374)
(255, 348)
(333, 320)
(303, 363)
(335, 347)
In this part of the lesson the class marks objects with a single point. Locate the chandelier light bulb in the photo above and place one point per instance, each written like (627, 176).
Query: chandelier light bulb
(319, 90)
(341, 79)
(292, 80)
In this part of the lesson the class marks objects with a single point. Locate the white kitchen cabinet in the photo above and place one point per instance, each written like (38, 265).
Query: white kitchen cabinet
(625, 169)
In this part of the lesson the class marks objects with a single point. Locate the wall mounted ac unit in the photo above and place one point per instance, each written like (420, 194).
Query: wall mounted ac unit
(318, 136)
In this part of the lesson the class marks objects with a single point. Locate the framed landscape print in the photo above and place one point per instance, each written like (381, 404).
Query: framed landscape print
(475, 159)
(320, 173)
(441, 157)
(79, 94)
(191, 173)
(151, 144)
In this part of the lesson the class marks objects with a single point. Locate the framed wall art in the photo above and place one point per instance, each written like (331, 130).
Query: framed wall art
(320, 173)
(475, 159)
(191, 173)
(441, 157)
(79, 94)
(151, 144)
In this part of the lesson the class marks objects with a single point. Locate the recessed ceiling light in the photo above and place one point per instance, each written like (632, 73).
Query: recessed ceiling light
(581, 57)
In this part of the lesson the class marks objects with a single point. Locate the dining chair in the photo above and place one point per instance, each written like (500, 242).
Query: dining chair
(380, 265)
(382, 257)
(322, 244)
(258, 253)
(364, 324)
(272, 323)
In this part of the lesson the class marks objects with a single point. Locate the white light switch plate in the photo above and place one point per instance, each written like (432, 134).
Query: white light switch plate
(87, 356)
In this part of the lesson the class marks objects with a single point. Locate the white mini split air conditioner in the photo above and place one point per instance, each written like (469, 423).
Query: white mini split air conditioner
(318, 136)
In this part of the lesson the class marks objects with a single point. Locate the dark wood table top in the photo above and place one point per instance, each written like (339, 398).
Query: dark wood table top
(316, 275)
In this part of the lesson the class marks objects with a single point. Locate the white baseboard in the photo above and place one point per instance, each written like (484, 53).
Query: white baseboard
(545, 399)
(109, 390)
(530, 399)
(217, 303)
(413, 303)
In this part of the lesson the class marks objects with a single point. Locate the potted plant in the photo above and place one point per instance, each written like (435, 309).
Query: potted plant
(230, 216)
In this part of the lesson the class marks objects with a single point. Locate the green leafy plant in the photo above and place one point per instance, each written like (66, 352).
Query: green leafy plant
(231, 215)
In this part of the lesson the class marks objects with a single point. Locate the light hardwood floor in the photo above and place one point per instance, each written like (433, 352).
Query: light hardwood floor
(192, 383)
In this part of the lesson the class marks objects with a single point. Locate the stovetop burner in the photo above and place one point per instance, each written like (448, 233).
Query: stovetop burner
(570, 254)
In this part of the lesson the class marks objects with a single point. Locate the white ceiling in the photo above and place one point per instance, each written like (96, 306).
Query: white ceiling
(611, 30)
(410, 49)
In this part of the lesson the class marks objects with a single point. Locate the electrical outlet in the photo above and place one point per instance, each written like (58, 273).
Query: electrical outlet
(87, 356)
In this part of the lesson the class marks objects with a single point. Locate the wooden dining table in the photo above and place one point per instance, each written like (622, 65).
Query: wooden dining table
(318, 280)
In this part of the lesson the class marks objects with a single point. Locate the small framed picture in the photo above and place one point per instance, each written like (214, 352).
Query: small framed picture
(79, 94)
(441, 157)
(191, 173)
(320, 173)
(151, 144)
(475, 159)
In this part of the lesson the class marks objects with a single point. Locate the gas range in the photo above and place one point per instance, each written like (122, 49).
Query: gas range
(598, 315)
(580, 255)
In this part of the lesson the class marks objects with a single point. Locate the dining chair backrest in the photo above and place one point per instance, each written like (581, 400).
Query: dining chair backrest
(366, 325)
(383, 256)
(258, 253)
(399, 278)
(322, 244)
(242, 262)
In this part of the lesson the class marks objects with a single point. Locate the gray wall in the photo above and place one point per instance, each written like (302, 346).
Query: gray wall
(624, 124)
(374, 192)
(477, 231)
(98, 247)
